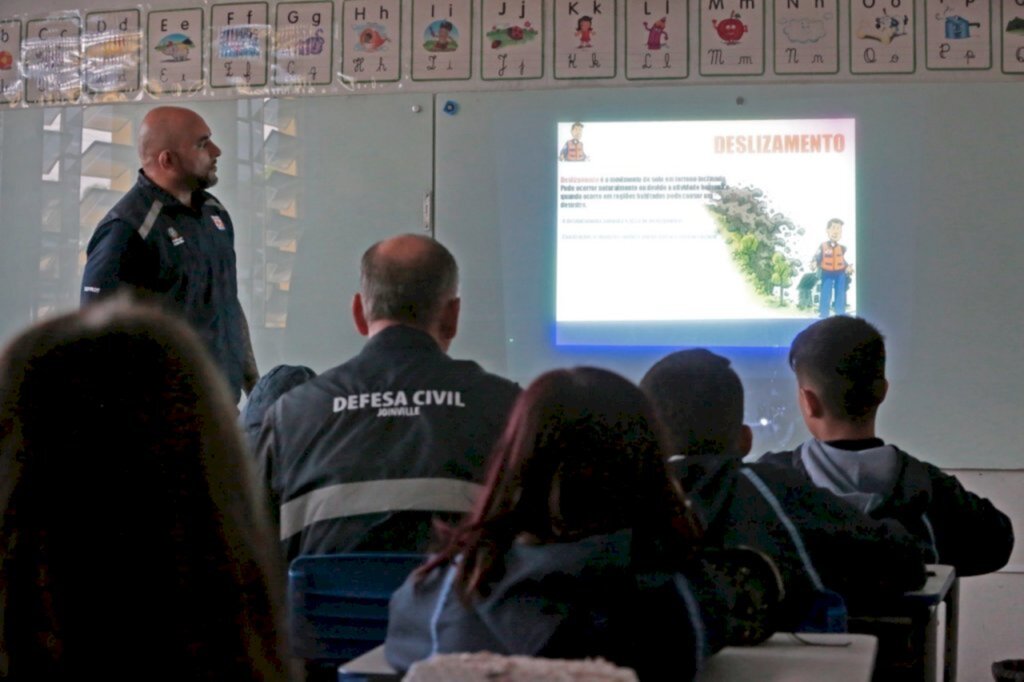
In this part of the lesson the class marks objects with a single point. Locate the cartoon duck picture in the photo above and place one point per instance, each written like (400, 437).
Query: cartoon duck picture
(175, 47)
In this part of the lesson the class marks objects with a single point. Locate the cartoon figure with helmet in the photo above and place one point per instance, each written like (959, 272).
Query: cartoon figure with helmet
(572, 150)
(830, 260)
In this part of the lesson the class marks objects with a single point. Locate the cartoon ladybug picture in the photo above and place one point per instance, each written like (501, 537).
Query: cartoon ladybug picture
(730, 30)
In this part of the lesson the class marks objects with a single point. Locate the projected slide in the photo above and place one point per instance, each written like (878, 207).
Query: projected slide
(703, 232)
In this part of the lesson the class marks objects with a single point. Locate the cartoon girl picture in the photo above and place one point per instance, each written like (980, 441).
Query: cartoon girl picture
(584, 29)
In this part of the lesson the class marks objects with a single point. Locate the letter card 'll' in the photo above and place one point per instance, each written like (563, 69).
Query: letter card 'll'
(958, 34)
(239, 42)
(584, 38)
(1012, 27)
(112, 53)
(304, 43)
(11, 85)
(657, 44)
(806, 37)
(512, 42)
(442, 39)
(371, 41)
(731, 36)
(51, 59)
(882, 36)
(174, 51)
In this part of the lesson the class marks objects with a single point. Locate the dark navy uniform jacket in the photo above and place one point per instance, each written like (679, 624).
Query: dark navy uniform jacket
(817, 540)
(183, 257)
(960, 528)
(363, 456)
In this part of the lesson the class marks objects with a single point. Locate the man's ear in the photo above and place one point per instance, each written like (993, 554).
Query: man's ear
(746, 440)
(811, 403)
(166, 159)
(449, 322)
(359, 316)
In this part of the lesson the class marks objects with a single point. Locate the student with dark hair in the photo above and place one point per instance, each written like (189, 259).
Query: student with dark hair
(364, 456)
(840, 370)
(133, 547)
(818, 541)
(574, 547)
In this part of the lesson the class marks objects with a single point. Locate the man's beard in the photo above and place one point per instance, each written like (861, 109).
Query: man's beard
(206, 181)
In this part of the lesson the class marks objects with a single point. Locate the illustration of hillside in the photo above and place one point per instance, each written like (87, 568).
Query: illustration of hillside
(760, 240)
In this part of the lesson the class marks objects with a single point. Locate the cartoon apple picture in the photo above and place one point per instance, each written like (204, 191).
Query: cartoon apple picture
(730, 30)
(6, 60)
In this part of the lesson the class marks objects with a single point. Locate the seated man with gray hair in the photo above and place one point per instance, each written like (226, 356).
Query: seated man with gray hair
(364, 456)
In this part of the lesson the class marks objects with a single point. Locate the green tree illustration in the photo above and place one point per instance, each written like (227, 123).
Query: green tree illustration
(759, 238)
(782, 275)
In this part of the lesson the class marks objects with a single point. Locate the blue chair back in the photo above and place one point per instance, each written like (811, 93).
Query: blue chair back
(827, 614)
(338, 603)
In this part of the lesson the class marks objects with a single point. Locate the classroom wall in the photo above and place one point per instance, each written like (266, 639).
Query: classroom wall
(274, 168)
(992, 606)
(298, 253)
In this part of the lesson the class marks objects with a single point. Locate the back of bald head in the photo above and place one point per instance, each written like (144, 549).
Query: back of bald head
(162, 129)
(408, 279)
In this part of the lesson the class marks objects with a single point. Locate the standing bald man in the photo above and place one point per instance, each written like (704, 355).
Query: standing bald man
(170, 240)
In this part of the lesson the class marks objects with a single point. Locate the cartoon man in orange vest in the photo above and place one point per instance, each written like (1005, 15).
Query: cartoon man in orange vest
(572, 150)
(830, 259)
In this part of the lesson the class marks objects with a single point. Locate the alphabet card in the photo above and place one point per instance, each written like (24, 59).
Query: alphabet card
(11, 84)
(958, 34)
(731, 34)
(584, 38)
(512, 39)
(442, 39)
(882, 36)
(112, 52)
(1012, 27)
(806, 36)
(371, 40)
(51, 60)
(304, 43)
(240, 36)
(657, 43)
(174, 51)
